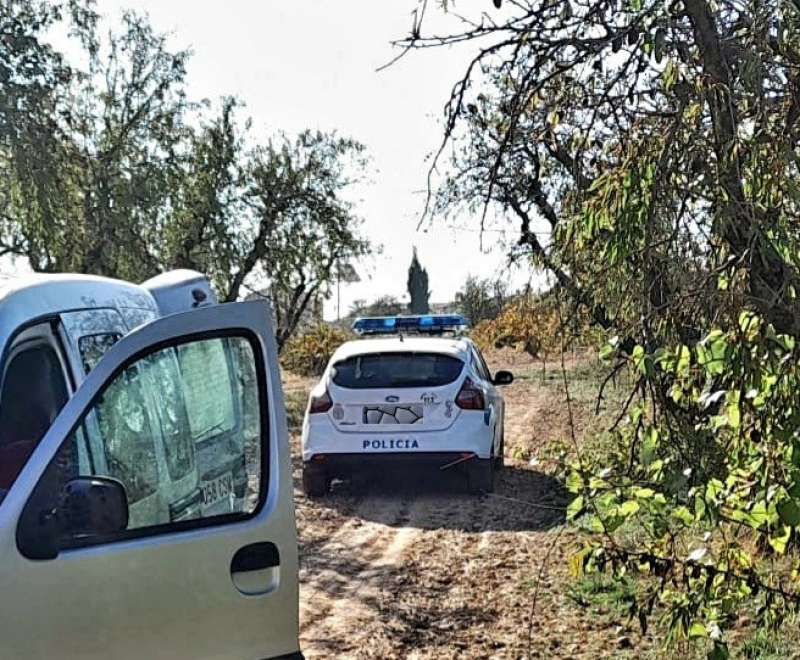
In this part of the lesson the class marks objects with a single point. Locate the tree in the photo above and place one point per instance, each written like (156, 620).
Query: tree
(417, 286)
(112, 170)
(648, 151)
(382, 306)
(575, 96)
(94, 194)
(34, 82)
(302, 230)
(481, 299)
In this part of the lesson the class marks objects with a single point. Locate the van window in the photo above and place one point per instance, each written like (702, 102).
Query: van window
(210, 465)
(93, 347)
(170, 415)
(204, 366)
(126, 424)
(170, 406)
(34, 391)
(387, 370)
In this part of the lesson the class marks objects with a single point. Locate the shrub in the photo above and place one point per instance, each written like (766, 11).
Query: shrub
(481, 299)
(295, 409)
(527, 325)
(309, 353)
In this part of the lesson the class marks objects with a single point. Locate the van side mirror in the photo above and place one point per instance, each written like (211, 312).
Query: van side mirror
(92, 506)
(503, 378)
(87, 507)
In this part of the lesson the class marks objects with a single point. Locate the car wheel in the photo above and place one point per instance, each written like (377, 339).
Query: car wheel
(481, 475)
(315, 482)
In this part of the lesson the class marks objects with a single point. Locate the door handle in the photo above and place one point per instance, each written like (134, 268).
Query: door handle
(255, 557)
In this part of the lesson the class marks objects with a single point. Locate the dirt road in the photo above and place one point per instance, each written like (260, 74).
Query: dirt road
(417, 568)
(427, 573)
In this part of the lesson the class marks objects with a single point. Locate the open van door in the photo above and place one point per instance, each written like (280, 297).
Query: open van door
(94, 560)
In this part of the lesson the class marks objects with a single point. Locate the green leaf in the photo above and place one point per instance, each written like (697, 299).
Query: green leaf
(749, 324)
(649, 445)
(713, 488)
(684, 515)
(779, 540)
(734, 415)
(697, 631)
(574, 482)
(637, 355)
(786, 342)
(629, 508)
(596, 483)
(699, 507)
(758, 515)
(575, 507)
(684, 359)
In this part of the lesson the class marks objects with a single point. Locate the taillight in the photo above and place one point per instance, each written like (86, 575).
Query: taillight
(320, 404)
(470, 397)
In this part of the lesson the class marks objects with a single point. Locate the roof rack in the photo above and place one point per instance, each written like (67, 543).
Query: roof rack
(428, 324)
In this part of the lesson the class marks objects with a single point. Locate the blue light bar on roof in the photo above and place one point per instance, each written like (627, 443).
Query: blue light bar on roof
(433, 324)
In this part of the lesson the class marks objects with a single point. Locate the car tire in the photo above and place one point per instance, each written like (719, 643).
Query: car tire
(480, 475)
(315, 482)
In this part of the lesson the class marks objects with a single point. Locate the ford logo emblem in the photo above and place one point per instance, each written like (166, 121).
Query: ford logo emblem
(392, 399)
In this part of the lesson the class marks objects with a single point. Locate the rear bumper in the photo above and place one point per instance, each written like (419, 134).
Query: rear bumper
(345, 465)
(472, 432)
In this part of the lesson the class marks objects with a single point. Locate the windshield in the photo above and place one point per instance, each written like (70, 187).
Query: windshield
(388, 370)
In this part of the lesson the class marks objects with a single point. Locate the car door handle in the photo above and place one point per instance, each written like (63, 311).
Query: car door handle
(255, 557)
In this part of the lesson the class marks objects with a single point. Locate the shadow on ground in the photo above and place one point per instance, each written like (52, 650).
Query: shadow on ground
(523, 500)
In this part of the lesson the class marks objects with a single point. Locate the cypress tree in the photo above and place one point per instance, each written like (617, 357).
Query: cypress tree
(418, 287)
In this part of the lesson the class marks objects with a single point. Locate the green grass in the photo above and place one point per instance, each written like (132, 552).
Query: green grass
(602, 596)
(768, 645)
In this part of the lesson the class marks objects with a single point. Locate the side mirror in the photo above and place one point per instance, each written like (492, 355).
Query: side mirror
(503, 378)
(87, 507)
(92, 506)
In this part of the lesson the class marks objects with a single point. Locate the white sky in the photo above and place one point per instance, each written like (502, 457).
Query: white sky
(311, 64)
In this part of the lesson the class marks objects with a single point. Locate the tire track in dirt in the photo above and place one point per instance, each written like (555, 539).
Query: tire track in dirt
(351, 581)
(343, 578)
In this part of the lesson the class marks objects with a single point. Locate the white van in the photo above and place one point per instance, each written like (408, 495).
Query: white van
(145, 481)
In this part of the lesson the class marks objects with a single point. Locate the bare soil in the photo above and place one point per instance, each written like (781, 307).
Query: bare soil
(416, 568)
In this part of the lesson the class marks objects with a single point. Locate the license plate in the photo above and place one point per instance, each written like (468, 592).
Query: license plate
(218, 490)
(408, 414)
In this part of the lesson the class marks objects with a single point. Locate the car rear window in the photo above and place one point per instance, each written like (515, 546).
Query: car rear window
(387, 370)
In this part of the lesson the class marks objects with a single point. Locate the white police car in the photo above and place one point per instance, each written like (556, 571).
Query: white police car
(383, 402)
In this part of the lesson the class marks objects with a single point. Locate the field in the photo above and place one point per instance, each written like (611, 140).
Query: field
(416, 568)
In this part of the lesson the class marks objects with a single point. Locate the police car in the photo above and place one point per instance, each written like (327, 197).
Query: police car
(405, 393)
